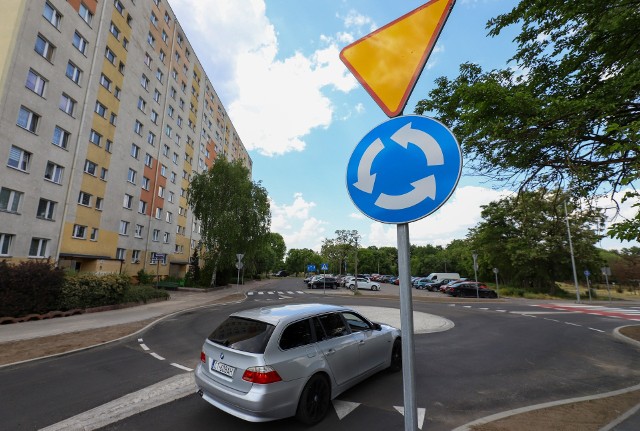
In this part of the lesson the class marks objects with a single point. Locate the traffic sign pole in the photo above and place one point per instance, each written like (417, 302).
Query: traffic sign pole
(406, 327)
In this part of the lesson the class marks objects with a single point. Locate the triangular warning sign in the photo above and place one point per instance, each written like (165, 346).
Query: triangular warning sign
(389, 61)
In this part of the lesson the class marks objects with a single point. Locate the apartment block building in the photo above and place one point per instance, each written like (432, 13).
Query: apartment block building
(105, 116)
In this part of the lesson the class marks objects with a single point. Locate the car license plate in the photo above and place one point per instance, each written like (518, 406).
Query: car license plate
(222, 368)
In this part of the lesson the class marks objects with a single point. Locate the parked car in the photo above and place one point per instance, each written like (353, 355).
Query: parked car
(346, 280)
(435, 286)
(471, 288)
(421, 283)
(322, 281)
(275, 362)
(282, 273)
(364, 283)
(445, 287)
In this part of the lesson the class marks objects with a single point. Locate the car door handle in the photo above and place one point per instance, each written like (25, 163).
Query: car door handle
(361, 342)
(330, 352)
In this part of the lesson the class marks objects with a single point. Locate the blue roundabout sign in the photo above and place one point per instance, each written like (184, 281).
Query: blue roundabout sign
(404, 169)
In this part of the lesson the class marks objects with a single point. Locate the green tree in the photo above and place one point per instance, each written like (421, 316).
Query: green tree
(298, 259)
(571, 119)
(525, 237)
(234, 212)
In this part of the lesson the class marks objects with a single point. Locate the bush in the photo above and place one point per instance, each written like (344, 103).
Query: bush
(29, 287)
(143, 294)
(145, 277)
(87, 290)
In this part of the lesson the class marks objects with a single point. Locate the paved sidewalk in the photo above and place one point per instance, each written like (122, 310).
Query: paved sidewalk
(180, 300)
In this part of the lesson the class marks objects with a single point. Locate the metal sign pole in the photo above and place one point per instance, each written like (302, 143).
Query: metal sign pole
(406, 323)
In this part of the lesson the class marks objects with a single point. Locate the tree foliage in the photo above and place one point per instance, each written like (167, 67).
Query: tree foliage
(568, 114)
(298, 259)
(234, 212)
(526, 238)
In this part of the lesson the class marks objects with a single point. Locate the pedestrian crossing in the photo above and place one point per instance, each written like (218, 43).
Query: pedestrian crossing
(627, 313)
(259, 293)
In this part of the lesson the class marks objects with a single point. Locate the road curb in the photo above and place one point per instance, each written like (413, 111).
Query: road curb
(620, 336)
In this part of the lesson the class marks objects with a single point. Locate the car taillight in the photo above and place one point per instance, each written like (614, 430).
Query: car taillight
(203, 358)
(262, 375)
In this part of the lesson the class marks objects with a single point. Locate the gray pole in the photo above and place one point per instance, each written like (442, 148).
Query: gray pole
(495, 271)
(406, 323)
(475, 272)
(573, 261)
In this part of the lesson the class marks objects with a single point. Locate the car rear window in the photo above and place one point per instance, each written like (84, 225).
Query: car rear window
(241, 334)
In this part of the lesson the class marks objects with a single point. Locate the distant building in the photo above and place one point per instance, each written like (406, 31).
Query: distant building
(105, 116)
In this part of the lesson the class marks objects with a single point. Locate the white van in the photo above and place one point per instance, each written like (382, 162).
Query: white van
(435, 277)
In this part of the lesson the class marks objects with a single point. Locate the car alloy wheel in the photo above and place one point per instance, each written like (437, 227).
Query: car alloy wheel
(396, 355)
(314, 401)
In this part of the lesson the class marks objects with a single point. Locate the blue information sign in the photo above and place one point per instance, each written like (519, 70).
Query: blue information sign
(311, 268)
(404, 169)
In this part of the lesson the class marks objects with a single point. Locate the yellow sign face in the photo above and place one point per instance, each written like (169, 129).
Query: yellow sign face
(389, 61)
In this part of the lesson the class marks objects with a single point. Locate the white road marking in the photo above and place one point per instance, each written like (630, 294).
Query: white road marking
(182, 367)
(597, 330)
(501, 311)
(573, 324)
(421, 415)
(144, 347)
(155, 355)
(343, 408)
(250, 293)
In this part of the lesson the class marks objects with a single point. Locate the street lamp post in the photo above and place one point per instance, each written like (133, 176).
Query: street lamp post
(573, 261)
(495, 271)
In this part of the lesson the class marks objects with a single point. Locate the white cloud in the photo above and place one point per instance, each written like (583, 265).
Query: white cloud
(451, 221)
(295, 223)
(264, 94)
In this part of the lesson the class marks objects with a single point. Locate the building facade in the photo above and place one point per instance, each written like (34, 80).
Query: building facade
(105, 116)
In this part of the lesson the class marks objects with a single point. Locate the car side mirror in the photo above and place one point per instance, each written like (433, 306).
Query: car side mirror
(377, 327)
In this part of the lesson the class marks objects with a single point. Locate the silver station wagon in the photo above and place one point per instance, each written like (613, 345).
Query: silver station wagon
(291, 360)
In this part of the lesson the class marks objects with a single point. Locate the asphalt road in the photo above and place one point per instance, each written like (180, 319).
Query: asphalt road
(499, 355)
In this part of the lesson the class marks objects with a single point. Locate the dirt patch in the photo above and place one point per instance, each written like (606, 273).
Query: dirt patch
(631, 332)
(584, 416)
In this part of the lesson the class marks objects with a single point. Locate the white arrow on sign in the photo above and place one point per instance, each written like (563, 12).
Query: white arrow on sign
(422, 189)
(425, 141)
(366, 179)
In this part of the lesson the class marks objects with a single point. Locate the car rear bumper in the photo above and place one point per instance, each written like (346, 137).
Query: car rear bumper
(262, 403)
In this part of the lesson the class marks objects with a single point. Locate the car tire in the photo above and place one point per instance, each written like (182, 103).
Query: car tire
(396, 356)
(314, 400)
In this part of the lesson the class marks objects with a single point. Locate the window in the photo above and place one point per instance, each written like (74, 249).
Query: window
(162, 56)
(118, 5)
(139, 231)
(333, 326)
(169, 217)
(67, 104)
(159, 75)
(167, 131)
(53, 172)
(95, 137)
(5, 243)
(35, 83)
(127, 202)
(146, 183)
(295, 335)
(84, 199)
(124, 227)
(121, 67)
(121, 253)
(105, 82)
(79, 231)
(172, 177)
(100, 109)
(110, 55)
(144, 81)
(160, 191)
(165, 36)
(73, 73)
(172, 93)
(28, 119)
(94, 234)
(165, 238)
(151, 40)
(115, 31)
(138, 128)
(38, 247)
(154, 19)
(179, 39)
(174, 74)
(165, 150)
(99, 202)
(44, 48)
(151, 138)
(154, 117)
(355, 322)
(170, 111)
(156, 96)
(116, 93)
(156, 235)
(131, 176)
(135, 151)
(90, 167)
(142, 105)
(163, 171)
(179, 121)
(171, 197)
(148, 160)
(104, 173)
(135, 256)
(166, 18)
(80, 42)
(108, 145)
(142, 207)
(159, 213)
(85, 14)
(113, 118)
(52, 15)
(19, 158)
(9, 200)
(175, 158)
(46, 209)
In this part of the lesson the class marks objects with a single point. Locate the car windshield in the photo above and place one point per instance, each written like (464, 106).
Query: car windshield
(243, 334)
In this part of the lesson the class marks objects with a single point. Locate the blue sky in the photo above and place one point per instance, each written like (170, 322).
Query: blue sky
(300, 113)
